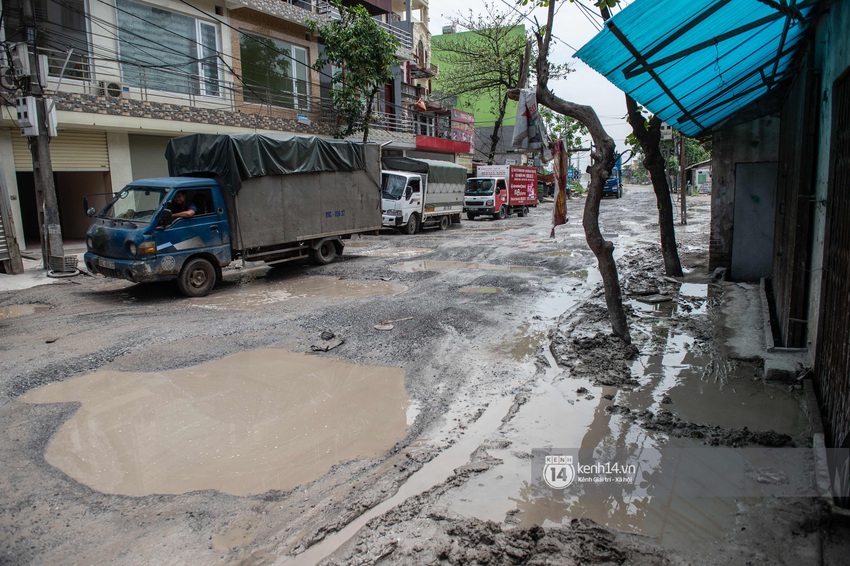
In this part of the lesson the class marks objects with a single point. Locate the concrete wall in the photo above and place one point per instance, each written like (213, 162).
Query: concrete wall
(832, 57)
(7, 167)
(753, 142)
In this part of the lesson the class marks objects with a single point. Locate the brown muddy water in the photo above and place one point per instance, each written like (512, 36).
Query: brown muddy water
(266, 290)
(21, 310)
(569, 415)
(413, 266)
(245, 424)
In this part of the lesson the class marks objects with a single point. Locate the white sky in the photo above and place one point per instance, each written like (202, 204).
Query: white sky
(573, 29)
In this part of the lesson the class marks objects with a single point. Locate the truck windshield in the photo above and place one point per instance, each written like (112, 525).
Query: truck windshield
(392, 186)
(135, 203)
(479, 187)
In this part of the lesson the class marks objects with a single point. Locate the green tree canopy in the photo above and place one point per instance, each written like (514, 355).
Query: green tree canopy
(363, 54)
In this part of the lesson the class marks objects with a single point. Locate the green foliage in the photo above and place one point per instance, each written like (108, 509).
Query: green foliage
(364, 53)
(563, 127)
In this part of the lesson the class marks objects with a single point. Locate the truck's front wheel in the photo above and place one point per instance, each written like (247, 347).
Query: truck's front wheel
(324, 253)
(197, 278)
(502, 214)
(413, 224)
(470, 216)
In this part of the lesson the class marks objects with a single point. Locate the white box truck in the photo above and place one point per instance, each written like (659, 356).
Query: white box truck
(421, 193)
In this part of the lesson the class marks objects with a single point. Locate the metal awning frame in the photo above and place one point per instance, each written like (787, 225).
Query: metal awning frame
(762, 76)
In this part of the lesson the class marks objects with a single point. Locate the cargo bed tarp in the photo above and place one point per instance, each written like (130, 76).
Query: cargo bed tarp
(437, 171)
(233, 158)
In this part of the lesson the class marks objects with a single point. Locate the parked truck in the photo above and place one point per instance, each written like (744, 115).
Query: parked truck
(421, 193)
(614, 183)
(255, 197)
(500, 190)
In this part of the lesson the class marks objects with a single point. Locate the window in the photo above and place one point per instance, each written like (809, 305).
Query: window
(164, 50)
(61, 28)
(274, 72)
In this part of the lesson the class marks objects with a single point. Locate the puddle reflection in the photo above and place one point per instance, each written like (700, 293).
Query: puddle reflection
(245, 424)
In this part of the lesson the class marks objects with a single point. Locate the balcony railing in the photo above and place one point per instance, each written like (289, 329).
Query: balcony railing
(186, 89)
(404, 36)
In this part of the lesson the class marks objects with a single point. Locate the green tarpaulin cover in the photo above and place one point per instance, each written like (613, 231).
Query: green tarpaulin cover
(438, 171)
(233, 158)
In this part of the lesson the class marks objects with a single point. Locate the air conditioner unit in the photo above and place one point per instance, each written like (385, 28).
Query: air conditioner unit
(112, 89)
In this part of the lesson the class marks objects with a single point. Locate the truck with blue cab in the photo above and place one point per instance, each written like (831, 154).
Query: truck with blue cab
(255, 197)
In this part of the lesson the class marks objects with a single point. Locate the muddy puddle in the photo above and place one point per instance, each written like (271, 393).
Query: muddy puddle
(395, 252)
(245, 424)
(413, 266)
(678, 492)
(15, 311)
(481, 290)
(257, 289)
(524, 344)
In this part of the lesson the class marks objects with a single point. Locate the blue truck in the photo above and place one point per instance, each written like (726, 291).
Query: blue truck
(614, 183)
(255, 197)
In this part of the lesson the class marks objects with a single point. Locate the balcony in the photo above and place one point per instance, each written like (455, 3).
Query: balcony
(397, 30)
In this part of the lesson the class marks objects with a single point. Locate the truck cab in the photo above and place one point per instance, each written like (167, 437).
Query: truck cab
(485, 196)
(402, 195)
(137, 238)
(614, 183)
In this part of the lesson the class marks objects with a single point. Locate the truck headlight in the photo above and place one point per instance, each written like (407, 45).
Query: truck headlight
(488, 203)
(147, 248)
(89, 243)
(398, 213)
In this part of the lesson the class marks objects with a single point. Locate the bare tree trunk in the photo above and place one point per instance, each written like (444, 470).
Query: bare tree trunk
(368, 118)
(649, 137)
(600, 168)
(497, 129)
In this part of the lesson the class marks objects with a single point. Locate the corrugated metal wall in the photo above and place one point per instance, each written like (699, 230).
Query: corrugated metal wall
(833, 348)
(795, 190)
(69, 151)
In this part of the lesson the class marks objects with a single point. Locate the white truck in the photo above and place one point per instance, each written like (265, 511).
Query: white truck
(421, 193)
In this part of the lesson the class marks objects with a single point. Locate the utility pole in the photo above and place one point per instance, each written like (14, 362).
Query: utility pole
(42, 167)
(683, 190)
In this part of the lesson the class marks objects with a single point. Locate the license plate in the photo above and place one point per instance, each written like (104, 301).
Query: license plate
(106, 264)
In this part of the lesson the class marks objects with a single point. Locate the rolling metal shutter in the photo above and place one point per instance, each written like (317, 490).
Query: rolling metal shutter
(69, 151)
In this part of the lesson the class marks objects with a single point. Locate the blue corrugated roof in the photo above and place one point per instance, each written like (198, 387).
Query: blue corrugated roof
(696, 63)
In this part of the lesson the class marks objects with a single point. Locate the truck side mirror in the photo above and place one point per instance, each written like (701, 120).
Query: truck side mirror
(166, 217)
(86, 205)
(91, 212)
(408, 192)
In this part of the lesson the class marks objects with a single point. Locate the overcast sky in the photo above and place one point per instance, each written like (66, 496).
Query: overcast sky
(572, 30)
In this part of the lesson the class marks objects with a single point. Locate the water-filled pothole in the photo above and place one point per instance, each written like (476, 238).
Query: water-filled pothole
(266, 290)
(21, 310)
(245, 424)
(413, 266)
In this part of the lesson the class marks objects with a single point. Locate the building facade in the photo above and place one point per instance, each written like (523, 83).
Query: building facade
(125, 76)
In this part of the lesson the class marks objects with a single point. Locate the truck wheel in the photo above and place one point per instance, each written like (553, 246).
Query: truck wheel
(197, 278)
(503, 213)
(470, 216)
(413, 224)
(444, 223)
(324, 253)
(523, 212)
(619, 193)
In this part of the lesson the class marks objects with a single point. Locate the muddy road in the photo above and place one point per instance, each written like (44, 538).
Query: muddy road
(397, 405)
